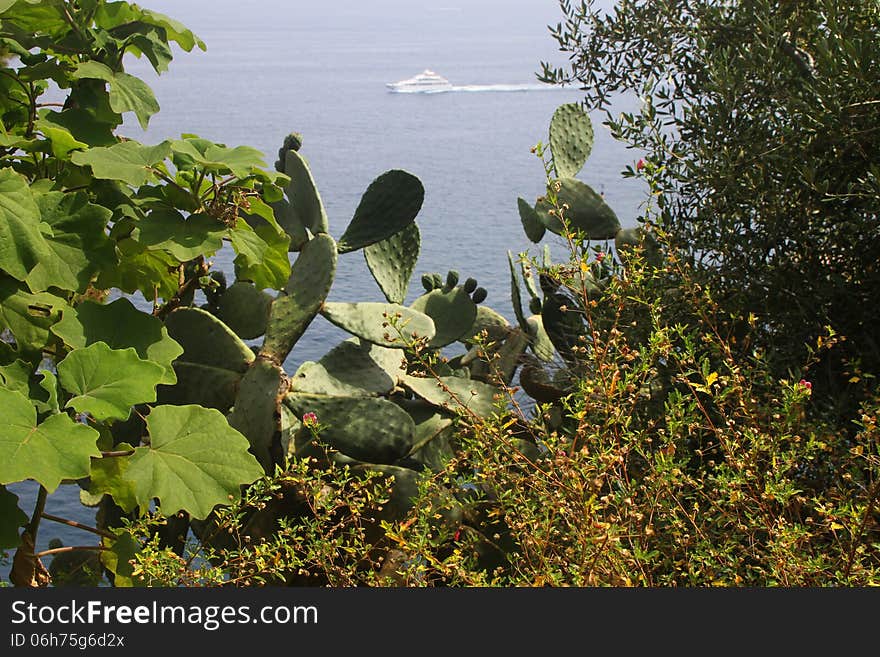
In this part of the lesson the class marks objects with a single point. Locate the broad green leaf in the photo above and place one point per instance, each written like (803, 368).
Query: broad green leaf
(115, 14)
(217, 158)
(16, 376)
(118, 557)
(62, 141)
(184, 238)
(56, 449)
(81, 124)
(11, 519)
(127, 161)
(28, 316)
(119, 325)
(107, 382)
(78, 245)
(22, 245)
(127, 93)
(271, 270)
(195, 461)
(140, 269)
(110, 475)
(49, 384)
(37, 17)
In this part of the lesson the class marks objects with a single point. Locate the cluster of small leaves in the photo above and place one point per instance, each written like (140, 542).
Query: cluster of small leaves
(674, 463)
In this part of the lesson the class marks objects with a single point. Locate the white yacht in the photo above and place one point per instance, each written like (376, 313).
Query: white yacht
(427, 80)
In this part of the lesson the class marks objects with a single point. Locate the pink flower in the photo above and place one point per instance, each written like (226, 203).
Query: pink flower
(600, 256)
(640, 164)
(806, 384)
(310, 419)
(457, 535)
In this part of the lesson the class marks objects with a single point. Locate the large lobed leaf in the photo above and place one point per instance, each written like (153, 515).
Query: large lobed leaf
(195, 461)
(47, 452)
(107, 382)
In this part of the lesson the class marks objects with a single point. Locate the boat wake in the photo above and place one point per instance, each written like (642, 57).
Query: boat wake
(481, 88)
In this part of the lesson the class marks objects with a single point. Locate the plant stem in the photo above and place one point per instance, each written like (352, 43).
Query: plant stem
(71, 548)
(34, 524)
(73, 523)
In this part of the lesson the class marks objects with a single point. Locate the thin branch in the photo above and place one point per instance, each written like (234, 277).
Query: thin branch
(71, 548)
(73, 523)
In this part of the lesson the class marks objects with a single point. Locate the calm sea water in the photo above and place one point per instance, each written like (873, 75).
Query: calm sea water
(277, 66)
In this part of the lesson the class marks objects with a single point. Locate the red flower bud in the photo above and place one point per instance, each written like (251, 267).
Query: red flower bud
(640, 164)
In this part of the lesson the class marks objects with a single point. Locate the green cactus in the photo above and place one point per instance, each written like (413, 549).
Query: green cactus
(431, 447)
(532, 225)
(352, 368)
(296, 306)
(587, 211)
(470, 285)
(244, 309)
(292, 142)
(454, 393)
(256, 412)
(540, 343)
(495, 325)
(303, 194)
(290, 220)
(452, 311)
(385, 324)
(451, 280)
(368, 429)
(571, 139)
(389, 205)
(393, 260)
(213, 362)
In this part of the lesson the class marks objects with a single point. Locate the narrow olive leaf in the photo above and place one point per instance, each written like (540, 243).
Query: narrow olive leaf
(49, 452)
(110, 475)
(107, 382)
(11, 519)
(127, 93)
(120, 325)
(127, 161)
(78, 245)
(22, 245)
(195, 461)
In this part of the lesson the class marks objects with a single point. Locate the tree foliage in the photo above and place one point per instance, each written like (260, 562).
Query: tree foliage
(760, 123)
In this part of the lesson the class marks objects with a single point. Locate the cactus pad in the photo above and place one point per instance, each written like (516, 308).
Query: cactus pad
(392, 261)
(452, 311)
(349, 369)
(364, 428)
(587, 211)
(244, 309)
(385, 324)
(571, 139)
(296, 306)
(389, 205)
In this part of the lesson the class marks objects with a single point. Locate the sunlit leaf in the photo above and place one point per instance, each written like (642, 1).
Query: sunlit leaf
(127, 93)
(78, 245)
(184, 238)
(195, 461)
(22, 245)
(107, 382)
(49, 452)
(110, 475)
(127, 161)
(120, 325)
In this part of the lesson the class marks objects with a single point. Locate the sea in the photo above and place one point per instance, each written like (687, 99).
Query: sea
(273, 67)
